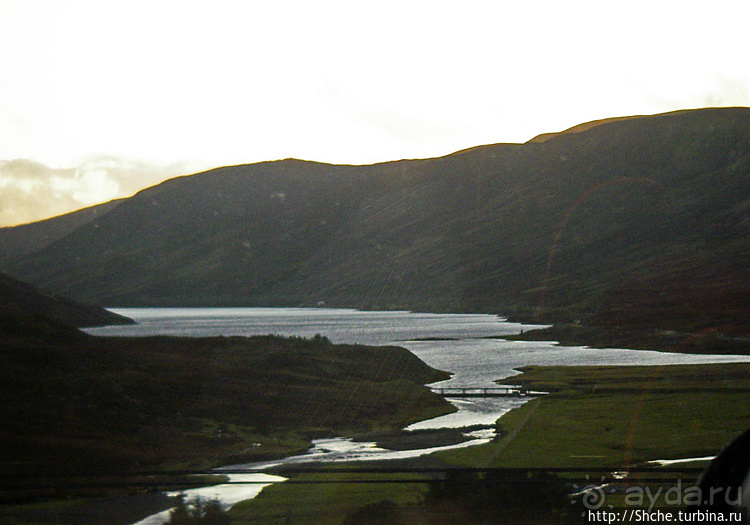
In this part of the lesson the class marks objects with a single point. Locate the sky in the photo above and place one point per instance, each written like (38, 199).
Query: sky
(99, 99)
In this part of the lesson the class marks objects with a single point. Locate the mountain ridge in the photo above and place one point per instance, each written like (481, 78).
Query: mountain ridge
(603, 225)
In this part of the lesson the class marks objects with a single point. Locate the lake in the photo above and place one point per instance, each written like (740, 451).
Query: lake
(467, 345)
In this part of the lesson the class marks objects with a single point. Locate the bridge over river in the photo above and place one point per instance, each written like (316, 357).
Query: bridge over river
(503, 391)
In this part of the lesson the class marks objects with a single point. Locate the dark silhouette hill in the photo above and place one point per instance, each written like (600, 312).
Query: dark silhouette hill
(26, 310)
(75, 402)
(81, 404)
(639, 221)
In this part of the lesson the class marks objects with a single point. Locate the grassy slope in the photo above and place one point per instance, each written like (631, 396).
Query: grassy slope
(92, 404)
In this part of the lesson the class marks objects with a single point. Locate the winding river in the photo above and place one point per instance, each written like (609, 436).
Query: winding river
(468, 345)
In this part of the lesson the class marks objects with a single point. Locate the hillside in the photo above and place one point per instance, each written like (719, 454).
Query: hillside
(27, 238)
(25, 309)
(118, 404)
(639, 222)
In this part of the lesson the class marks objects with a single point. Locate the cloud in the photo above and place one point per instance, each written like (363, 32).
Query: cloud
(30, 191)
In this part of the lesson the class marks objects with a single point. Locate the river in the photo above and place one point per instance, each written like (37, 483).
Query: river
(467, 345)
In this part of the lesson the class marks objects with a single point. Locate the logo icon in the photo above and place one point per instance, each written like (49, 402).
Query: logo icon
(593, 496)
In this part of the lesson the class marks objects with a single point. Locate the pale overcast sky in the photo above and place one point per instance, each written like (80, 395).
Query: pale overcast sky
(104, 97)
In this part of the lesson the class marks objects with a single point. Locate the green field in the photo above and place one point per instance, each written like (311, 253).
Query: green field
(618, 416)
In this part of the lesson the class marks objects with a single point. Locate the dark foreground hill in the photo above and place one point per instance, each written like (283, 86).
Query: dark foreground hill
(92, 404)
(81, 406)
(25, 310)
(639, 222)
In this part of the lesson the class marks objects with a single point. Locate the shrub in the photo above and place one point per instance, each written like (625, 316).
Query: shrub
(198, 511)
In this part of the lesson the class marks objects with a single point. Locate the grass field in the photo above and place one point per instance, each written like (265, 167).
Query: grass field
(618, 416)
(328, 498)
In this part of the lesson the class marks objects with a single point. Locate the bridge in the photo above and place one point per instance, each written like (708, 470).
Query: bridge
(503, 391)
